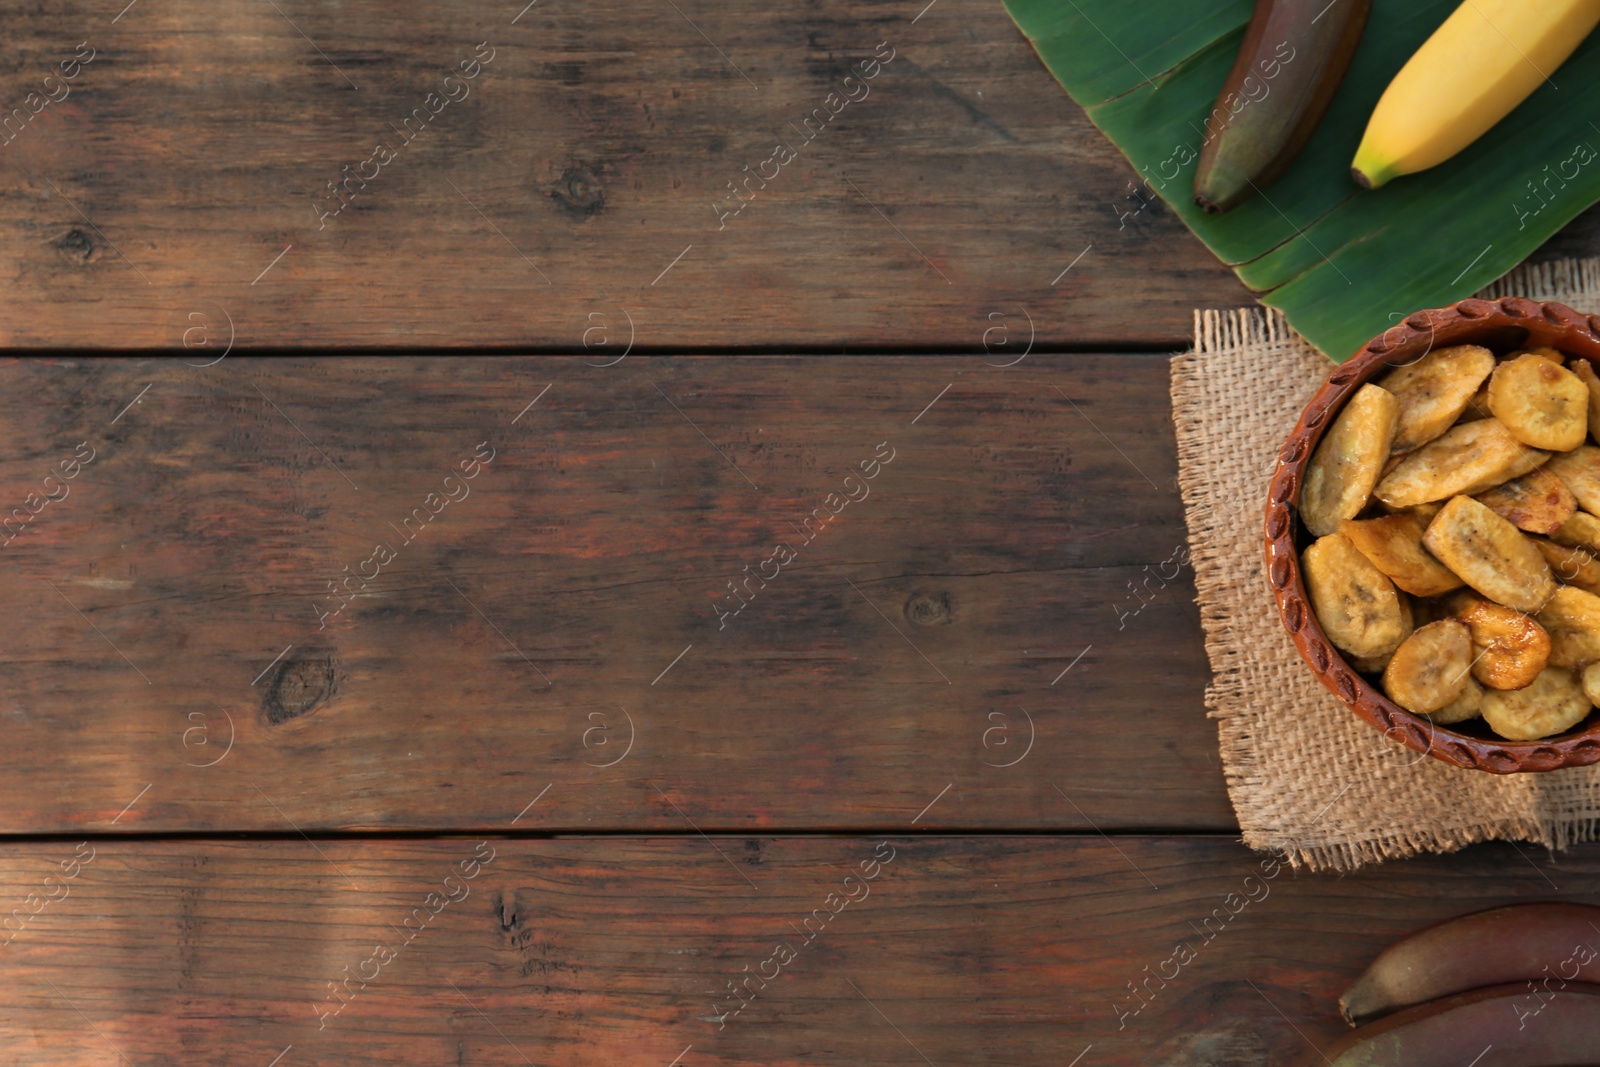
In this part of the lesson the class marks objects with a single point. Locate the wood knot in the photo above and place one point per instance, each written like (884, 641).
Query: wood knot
(505, 906)
(76, 246)
(928, 609)
(579, 192)
(299, 686)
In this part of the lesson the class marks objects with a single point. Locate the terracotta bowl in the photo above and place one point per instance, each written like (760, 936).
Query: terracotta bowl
(1511, 323)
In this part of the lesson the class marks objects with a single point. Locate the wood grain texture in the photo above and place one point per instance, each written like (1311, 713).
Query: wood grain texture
(588, 154)
(985, 581)
(162, 667)
(1002, 950)
(152, 204)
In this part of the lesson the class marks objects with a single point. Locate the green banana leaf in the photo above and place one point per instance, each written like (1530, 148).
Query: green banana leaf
(1342, 263)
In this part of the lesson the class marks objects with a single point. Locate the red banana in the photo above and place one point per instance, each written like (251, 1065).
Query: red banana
(1292, 59)
(1524, 1030)
(1544, 946)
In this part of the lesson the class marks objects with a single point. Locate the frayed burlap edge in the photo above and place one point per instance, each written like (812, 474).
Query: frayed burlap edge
(1549, 810)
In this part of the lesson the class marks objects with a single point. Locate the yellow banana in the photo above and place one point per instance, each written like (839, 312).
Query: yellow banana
(1485, 60)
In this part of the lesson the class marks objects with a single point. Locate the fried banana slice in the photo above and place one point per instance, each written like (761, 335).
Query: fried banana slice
(1585, 372)
(1340, 477)
(1466, 706)
(1555, 702)
(1538, 502)
(1394, 545)
(1541, 402)
(1434, 391)
(1591, 683)
(1376, 664)
(1580, 531)
(1571, 566)
(1478, 407)
(1579, 471)
(1542, 351)
(1509, 648)
(1465, 459)
(1572, 618)
(1429, 670)
(1359, 608)
(1490, 554)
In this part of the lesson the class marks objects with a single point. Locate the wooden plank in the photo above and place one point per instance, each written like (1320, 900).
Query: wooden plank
(185, 172)
(171, 195)
(623, 950)
(979, 594)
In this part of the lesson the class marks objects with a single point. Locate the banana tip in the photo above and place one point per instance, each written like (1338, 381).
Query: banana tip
(1361, 1002)
(1361, 178)
(1210, 207)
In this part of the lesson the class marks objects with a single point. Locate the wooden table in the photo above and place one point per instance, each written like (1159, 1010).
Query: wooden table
(737, 663)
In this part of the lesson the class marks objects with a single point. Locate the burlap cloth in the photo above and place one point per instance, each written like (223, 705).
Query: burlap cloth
(1307, 778)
